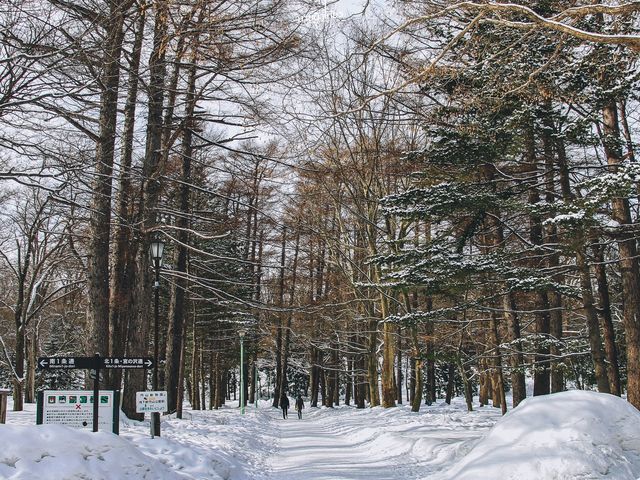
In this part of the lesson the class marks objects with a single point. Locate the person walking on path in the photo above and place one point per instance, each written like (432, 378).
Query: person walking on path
(299, 406)
(284, 404)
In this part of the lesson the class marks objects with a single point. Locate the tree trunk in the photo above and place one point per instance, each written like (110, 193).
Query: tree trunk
(628, 259)
(553, 260)
(30, 381)
(335, 376)
(485, 381)
(203, 377)
(450, 383)
(315, 376)
(609, 334)
(372, 364)
(468, 391)
(630, 155)
(541, 374)
(516, 359)
(152, 170)
(181, 371)
(178, 304)
(498, 379)
(123, 275)
(593, 329)
(417, 361)
(399, 376)
(349, 383)
(388, 357)
(279, 388)
(100, 211)
(195, 374)
(18, 379)
(212, 391)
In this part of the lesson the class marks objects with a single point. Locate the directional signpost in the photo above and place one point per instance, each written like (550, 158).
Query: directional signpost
(95, 363)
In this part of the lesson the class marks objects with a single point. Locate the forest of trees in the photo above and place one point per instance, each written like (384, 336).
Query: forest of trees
(418, 200)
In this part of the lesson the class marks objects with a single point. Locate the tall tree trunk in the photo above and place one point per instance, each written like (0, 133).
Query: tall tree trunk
(628, 258)
(553, 260)
(123, 283)
(152, 171)
(287, 332)
(541, 375)
(279, 388)
(100, 211)
(516, 359)
(178, 292)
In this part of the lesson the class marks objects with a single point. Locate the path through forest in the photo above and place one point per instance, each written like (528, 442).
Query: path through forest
(390, 444)
(340, 443)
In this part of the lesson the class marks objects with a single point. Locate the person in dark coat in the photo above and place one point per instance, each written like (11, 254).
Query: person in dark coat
(299, 406)
(284, 405)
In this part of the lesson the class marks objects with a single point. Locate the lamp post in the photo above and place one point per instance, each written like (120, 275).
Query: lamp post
(156, 249)
(241, 333)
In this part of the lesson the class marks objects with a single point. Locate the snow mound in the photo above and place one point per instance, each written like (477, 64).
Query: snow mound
(58, 452)
(568, 435)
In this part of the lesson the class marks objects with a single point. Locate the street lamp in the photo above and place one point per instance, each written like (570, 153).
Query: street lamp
(241, 333)
(156, 249)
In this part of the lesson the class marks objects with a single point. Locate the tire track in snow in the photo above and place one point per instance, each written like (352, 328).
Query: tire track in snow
(349, 444)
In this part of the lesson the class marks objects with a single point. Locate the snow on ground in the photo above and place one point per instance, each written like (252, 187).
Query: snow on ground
(568, 435)
(573, 435)
(381, 444)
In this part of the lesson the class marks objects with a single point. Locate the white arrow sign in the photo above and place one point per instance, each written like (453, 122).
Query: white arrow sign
(43, 362)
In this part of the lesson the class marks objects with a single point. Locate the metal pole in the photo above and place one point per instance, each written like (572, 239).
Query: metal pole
(96, 393)
(156, 327)
(256, 384)
(241, 375)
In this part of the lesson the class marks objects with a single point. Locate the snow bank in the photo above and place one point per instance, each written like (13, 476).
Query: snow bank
(58, 452)
(568, 435)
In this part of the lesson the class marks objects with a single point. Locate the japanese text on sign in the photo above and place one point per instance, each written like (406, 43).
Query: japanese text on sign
(149, 402)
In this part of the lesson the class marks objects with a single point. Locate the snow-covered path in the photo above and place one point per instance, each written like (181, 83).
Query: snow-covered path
(340, 443)
(566, 436)
(383, 444)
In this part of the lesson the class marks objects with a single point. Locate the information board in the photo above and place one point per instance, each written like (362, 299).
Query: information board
(74, 408)
(151, 402)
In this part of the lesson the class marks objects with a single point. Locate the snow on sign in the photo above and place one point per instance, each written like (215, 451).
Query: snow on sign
(74, 408)
(151, 402)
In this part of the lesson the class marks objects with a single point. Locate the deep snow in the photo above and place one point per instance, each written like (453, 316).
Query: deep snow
(572, 435)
